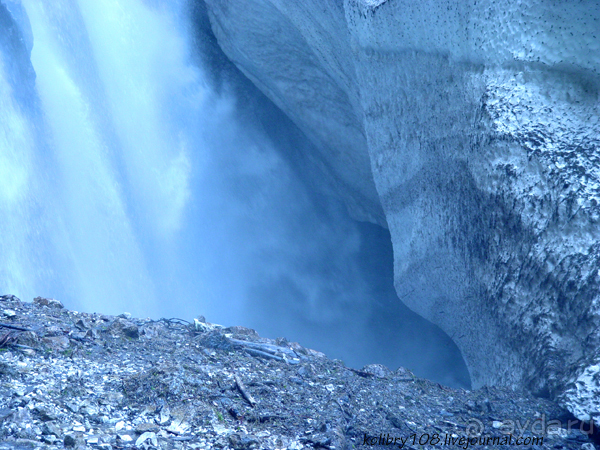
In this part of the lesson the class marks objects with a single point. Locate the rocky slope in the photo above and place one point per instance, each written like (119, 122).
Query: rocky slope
(478, 124)
(78, 380)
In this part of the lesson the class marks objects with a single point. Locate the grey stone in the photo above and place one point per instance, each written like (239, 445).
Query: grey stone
(44, 414)
(126, 328)
(57, 342)
(69, 441)
(378, 370)
(50, 428)
(52, 303)
(5, 413)
(82, 324)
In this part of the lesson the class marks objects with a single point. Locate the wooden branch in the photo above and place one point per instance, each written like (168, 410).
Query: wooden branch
(243, 391)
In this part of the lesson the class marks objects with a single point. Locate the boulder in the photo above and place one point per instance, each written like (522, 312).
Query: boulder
(50, 302)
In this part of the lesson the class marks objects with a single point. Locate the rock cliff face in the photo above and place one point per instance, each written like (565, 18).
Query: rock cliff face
(478, 125)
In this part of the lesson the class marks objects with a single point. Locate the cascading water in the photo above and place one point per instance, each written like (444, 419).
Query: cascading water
(112, 82)
(128, 184)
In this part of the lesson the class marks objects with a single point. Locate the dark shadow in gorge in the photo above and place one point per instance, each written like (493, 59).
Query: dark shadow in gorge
(384, 332)
(370, 325)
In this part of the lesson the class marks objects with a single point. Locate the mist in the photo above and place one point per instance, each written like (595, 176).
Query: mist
(142, 172)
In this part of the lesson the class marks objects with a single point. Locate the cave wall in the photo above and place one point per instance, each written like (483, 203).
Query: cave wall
(478, 126)
(310, 52)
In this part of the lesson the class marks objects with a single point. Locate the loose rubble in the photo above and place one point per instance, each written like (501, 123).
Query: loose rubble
(91, 381)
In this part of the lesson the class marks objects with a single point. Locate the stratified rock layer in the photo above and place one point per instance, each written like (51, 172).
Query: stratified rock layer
(480, 123)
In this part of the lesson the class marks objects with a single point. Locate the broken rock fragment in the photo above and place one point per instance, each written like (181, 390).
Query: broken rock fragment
(125, 328)
(50, 302)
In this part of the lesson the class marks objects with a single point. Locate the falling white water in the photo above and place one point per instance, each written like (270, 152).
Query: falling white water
(112, 79)
(18, 190)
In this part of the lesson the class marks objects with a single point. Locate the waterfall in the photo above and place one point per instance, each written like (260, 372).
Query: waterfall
(105, 166)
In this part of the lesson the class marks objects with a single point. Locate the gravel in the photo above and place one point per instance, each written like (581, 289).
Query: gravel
(79, 381)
